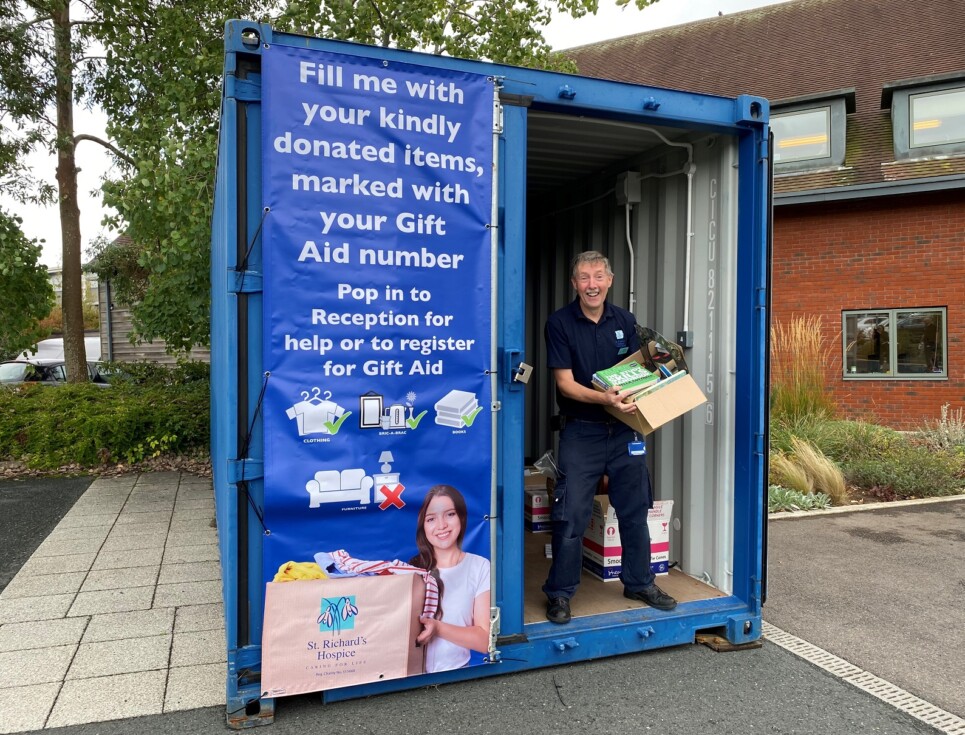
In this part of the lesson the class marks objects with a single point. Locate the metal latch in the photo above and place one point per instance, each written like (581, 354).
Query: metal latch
(523, 371)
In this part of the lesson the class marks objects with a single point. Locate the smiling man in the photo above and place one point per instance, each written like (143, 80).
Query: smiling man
(587, 335)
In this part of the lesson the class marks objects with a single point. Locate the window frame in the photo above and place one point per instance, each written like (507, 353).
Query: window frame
(838, 104)
(893, 316)
(900, 95)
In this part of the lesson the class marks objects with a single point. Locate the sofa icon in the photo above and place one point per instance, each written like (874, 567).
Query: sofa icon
(332, 486)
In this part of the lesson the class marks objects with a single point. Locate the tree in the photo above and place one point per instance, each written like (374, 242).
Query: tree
(159, 82)
(40, 50)
(26, 296)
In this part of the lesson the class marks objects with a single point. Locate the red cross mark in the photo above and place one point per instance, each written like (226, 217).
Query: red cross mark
(392, 496)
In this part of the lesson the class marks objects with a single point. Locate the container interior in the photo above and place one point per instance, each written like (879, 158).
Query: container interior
(581, 172)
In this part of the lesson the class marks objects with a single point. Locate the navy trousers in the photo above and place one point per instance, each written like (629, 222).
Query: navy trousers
(589, 450)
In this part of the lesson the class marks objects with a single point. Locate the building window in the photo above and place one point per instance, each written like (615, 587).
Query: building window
(809, 132)
(937, 118)
(927, 116)
(802, 135)
(895, 343)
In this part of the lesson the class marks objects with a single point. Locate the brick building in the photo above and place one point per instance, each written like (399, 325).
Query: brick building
(868, 112)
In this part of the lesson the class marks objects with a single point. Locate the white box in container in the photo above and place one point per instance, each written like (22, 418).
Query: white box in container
(536, 510)
(602, 549)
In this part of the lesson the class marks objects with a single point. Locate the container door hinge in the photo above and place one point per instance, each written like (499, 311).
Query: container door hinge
(245, 282)
(759, 444)
(497, 117)
(760, 297)
(241, 470)
(243, 90)
(765, 153)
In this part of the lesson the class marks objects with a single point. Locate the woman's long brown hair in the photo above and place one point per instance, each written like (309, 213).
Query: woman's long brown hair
(426, 558)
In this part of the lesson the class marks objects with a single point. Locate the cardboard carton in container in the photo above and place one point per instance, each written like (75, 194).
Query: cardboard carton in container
(536, 511)
(330, 633)
(602, 548)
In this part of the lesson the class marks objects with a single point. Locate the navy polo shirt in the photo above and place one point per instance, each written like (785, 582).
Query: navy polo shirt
(574, 342)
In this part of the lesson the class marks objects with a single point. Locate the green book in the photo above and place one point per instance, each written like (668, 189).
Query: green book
(628, 375)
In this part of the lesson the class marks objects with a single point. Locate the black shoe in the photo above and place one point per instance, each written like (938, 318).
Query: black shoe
(653, 596)
(558, 610)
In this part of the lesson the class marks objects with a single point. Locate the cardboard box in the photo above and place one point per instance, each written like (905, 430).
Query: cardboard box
(536, 510)
(602, 549)
(663, 404)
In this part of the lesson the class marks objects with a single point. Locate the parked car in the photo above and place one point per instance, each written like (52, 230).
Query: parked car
(53, 349)
(46, 372)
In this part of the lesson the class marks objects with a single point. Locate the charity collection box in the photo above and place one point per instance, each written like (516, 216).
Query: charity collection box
(327, 633)
(659, 400)
(602, 549)
(536, 505)
(536, 512)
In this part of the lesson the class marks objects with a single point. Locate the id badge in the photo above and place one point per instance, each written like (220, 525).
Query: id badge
(637, 448)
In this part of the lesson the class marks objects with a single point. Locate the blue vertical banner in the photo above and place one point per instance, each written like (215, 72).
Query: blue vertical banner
(378, 190)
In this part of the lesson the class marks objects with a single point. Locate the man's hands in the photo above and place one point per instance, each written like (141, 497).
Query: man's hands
(616, 397)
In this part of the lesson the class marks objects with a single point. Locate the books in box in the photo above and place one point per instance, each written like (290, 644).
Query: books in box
(602, 549)
(625, 376)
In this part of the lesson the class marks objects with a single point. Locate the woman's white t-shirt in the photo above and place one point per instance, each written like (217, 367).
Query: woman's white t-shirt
(463, 583)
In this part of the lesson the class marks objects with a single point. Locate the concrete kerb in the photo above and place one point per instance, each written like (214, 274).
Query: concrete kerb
(799, 514)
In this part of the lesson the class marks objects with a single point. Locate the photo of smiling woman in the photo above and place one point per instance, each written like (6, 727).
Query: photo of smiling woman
(462, 623)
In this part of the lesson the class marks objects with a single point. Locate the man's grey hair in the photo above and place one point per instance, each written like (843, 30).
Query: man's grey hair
(590, 257)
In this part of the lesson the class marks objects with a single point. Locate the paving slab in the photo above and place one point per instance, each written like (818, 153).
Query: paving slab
(133, 542)
(110, 601)
(42, 634)
(117, 626)
(209, 616)
(31, 584)
(203, 571)
(190, 554)
(124, 559)
(198, 647)
(113, 579)
(26, 708)
(187, 593)
(190, 687)
(70, 533)
(87, 519)
(137, 529)
(25, 609)
(67, 563)
(35, 665)
(125, 656)
(53, 547)
(125, 518)
(192, 538)
(109, 698)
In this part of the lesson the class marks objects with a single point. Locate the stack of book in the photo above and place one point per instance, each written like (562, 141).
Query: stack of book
(634, 377)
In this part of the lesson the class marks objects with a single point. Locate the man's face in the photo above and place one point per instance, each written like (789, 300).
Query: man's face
(592, 283)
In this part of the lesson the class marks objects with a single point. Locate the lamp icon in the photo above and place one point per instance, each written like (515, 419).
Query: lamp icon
(387, 484)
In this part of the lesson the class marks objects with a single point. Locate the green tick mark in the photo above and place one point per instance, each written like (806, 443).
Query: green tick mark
(469, 418)
(414, 423)
(333, 428)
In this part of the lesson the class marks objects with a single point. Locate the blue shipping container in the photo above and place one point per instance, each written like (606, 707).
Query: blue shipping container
(391, 231)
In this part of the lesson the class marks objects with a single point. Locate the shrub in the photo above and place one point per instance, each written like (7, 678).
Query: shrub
(50, 426)
(798, 357)
(785, 472)
(946, 433)
(807, 470)
(785, 499)
(906, 471)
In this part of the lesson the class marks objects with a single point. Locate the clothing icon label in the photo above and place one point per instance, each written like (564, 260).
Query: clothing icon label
(315, 414)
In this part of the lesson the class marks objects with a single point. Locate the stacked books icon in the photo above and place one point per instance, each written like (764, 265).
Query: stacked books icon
(453, 406)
